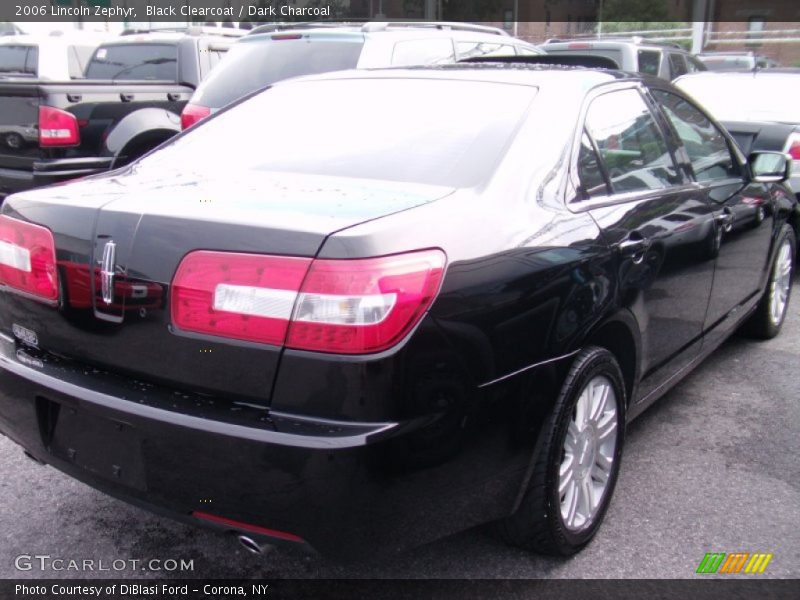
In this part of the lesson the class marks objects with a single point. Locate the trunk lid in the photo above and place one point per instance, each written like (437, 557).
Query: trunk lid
(153, 218)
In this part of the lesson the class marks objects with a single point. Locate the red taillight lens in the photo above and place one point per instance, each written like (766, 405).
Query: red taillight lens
(192, 113)
(28, 258)
(364, 305)
(242, 296)
(794, 146)
(579, 46)
(57, 127)
(345, 306)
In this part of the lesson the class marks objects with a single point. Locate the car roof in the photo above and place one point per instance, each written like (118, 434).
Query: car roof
(459, 31)
(509, 73)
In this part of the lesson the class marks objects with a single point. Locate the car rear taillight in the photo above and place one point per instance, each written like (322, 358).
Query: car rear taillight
(352, 306)
(57, 127)
(793, 146)
(579, 46)
(28, 259)
(192, 113)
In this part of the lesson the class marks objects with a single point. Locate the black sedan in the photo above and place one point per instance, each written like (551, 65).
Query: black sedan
(367, 309)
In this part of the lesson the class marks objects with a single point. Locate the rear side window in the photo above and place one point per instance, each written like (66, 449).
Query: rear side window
(249, 66)
(423, 52)
(135, 62)
(19, 59)
(708, 149)
(677, 65)
(631, 145)
(590, 172)
(649, 61)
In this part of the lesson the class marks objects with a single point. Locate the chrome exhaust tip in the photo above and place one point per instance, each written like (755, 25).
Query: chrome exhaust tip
(250, 544)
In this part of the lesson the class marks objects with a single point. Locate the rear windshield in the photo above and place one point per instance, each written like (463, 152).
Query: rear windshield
(249, 66)
(361, 128)
(19, 60)
(134, 62)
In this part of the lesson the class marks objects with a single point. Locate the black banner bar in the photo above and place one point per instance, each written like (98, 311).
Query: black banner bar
(416, 589)
(578, 11)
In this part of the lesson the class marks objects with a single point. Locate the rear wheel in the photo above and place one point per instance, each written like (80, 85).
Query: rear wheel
(768, 318)
(576, 471)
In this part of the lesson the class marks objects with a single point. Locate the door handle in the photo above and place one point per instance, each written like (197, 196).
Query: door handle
(725, 220)
(635, 247)
(126, 97)
(173, 97)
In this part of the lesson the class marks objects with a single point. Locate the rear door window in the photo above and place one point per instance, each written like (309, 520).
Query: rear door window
(707, 147)
(632, 147)
(135, 62)
(423, 52)
(649, 61)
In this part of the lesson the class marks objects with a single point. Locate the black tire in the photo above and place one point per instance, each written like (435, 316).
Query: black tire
(538, 524)
(762, 324)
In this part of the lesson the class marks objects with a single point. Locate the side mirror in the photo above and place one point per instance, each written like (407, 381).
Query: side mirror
(770, 167)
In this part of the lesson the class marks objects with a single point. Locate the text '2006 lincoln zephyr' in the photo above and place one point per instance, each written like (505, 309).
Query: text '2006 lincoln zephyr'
(365, 310)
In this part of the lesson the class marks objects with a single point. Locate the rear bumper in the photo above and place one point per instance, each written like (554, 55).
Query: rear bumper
(47, 172)
(161, 451)
(342, 487)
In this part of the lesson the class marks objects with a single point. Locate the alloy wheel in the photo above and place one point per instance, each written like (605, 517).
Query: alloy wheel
(781, 282)
(588, 454)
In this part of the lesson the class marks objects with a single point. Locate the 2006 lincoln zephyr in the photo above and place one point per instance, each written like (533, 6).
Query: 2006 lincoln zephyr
(368, 309)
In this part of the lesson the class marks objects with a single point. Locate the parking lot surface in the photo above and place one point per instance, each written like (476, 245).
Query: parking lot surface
(711, 467)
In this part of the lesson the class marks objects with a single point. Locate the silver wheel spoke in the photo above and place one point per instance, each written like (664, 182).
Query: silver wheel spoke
(607, 427)
(571, 501)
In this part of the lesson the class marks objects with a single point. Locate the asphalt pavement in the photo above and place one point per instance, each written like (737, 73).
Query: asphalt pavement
(712, 467)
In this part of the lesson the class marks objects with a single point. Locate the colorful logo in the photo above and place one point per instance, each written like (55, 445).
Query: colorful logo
(736, 562)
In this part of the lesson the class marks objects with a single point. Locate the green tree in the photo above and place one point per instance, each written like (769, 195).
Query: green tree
(634, 10)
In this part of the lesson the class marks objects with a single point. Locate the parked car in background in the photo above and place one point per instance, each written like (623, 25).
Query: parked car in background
(735, 61)
(127, 102)
(271, 53)
(635, 54)
(388, 320)
(759, 109)
(57, 57)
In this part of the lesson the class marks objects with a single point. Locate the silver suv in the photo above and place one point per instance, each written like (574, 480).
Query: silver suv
(664, 60)
(271, 53)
